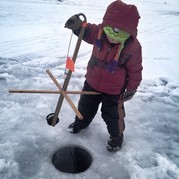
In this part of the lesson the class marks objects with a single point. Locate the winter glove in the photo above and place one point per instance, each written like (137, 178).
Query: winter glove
(73, 22)
(112, 66)
(128, 94)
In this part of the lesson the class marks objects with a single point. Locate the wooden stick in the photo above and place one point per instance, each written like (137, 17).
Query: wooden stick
(53, 92)
(68, 75)
(65, 95)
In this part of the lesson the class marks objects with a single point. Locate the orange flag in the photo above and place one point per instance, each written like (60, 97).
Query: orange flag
(70, 64)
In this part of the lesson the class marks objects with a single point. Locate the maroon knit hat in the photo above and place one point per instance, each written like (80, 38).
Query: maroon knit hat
(122, 16)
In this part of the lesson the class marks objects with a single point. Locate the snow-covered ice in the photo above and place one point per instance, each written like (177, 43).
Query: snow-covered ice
(33, 39)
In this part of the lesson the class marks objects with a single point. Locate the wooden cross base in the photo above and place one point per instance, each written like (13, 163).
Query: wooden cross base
(59, 91)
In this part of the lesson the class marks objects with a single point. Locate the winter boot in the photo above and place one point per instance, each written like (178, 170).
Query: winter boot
(114, 143)
(74, 128)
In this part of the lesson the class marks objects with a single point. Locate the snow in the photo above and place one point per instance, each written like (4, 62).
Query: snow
(33, 39)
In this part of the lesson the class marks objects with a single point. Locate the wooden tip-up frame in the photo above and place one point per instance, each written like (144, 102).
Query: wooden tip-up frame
(59, 91)
(51, 91)
(63, 90)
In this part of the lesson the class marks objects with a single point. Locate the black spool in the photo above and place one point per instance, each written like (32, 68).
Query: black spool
(72, 159)
(50, 117)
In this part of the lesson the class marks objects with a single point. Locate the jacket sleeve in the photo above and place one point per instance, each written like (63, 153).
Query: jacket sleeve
(90, 34)
(134, 70)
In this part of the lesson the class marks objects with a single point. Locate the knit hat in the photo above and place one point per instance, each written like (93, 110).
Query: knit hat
(116, 34)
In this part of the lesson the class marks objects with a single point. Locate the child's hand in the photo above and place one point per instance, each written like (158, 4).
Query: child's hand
(73, 22)
(129, 94)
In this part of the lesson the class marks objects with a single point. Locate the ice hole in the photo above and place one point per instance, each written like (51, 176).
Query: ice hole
(72, 159)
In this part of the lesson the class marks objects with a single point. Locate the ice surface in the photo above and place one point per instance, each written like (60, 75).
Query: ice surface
(33, 39)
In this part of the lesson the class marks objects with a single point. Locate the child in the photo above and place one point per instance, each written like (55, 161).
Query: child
(114, 69)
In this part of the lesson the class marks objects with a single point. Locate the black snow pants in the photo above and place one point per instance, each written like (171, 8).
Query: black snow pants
(112, 110)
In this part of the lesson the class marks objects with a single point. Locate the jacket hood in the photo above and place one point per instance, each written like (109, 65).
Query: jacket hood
(122, 16)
